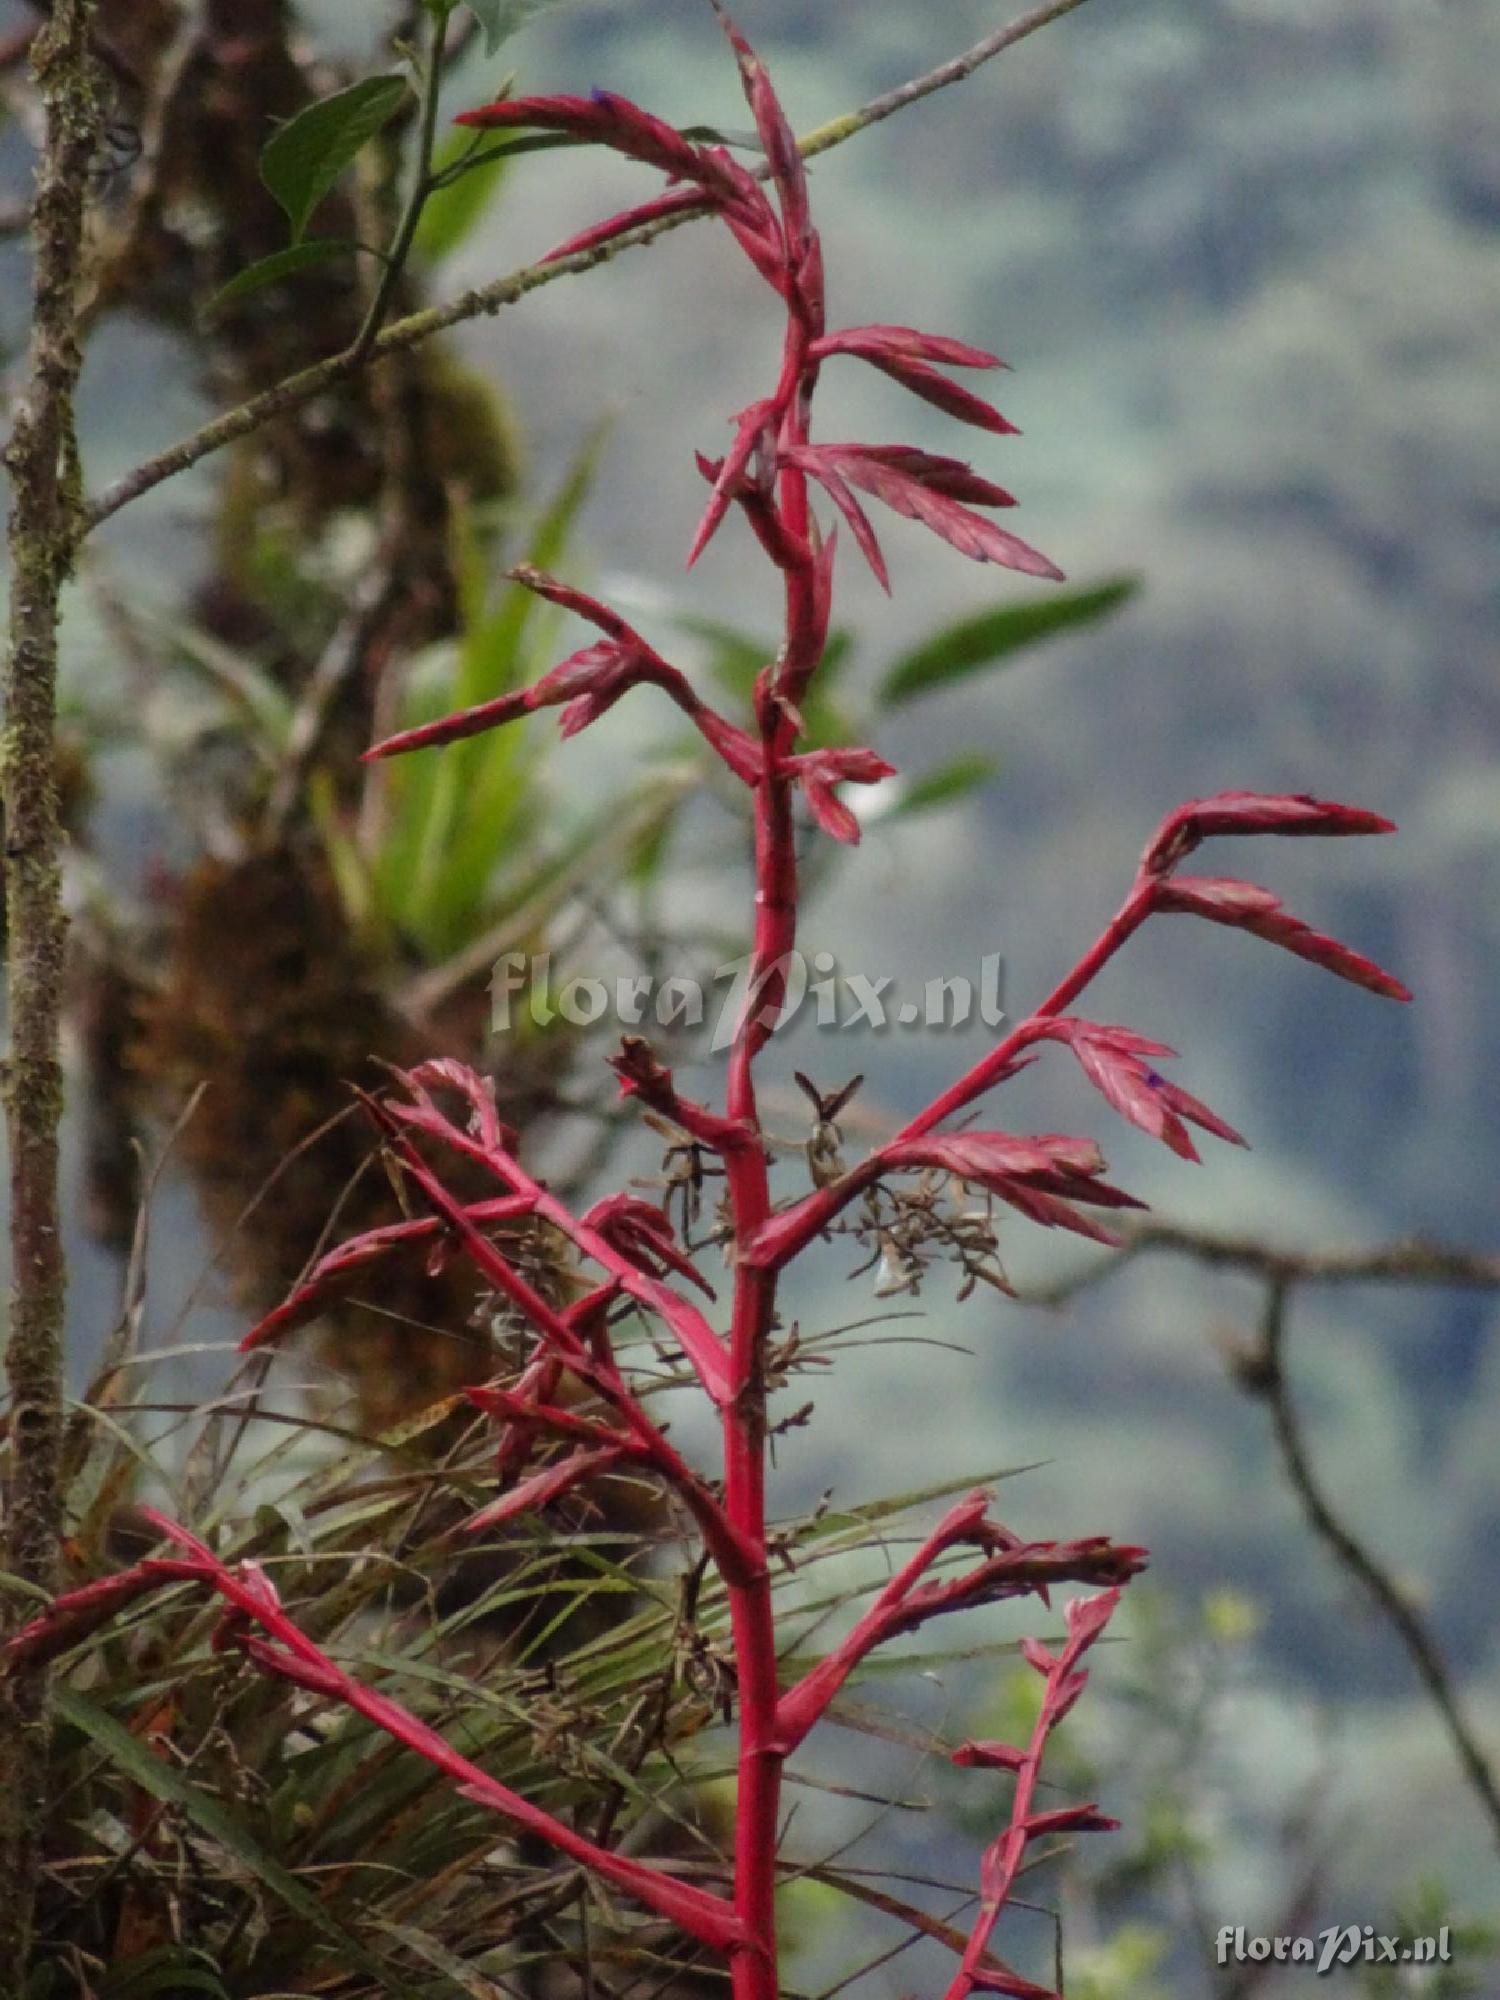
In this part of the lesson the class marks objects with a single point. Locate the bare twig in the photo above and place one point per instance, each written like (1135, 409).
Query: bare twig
(955, 70)
(310, 383)
(1262, 1374)
(1411, 1261)
(42, 461)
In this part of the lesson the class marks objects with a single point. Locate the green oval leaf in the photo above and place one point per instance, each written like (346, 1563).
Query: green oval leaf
(301, 162)
(990, 638)
(280, 264)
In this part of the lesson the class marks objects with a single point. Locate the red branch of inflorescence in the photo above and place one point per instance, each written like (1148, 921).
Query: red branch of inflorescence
(547, 1448)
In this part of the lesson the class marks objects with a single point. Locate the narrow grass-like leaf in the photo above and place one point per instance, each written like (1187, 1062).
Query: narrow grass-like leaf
(992, 638)
(945, 785)
(164, 1781)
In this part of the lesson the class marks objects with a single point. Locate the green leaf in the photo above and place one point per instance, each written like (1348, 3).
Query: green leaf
(450, 214)
(302, 161)
(281, 264)
(501, 18)
(164, 1781)
(944, 785)
(990, 638)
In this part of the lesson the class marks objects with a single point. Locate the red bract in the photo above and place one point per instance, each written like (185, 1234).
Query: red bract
(924, 488)
(820, 770)
(605, 119)
(1253, 812)
(1244, 907)
(1042, 1177)
(644, 1235)
(543, 1487)
(1113, 1059)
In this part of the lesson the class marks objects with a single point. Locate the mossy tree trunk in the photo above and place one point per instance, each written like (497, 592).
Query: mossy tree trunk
(41, 460)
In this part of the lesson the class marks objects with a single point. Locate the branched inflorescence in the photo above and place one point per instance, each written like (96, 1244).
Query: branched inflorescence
(572, 1411)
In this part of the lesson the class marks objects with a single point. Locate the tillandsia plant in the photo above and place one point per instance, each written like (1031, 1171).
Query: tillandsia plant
(575, 1411)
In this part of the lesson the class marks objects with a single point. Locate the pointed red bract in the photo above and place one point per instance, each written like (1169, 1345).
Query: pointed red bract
(776, 135)
(903, 343)
(1043, 1176)
(818, 771)
(641, 1232)
(1113, 1059)
(606, 119)
(753, 428)
(930, 489)
(542, 1488)
(904, 354)
(988, 1756)
(816, 462)
(1246, 907)
(674, 202)
(1285, 813)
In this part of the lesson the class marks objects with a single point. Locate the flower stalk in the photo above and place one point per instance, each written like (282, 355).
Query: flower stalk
(572, 1413)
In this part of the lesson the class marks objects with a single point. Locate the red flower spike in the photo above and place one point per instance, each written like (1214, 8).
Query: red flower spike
(330, 1277)
(1286, 813)
(74, 1615)
(702, 1915)
(1245, 907)
(590, 681)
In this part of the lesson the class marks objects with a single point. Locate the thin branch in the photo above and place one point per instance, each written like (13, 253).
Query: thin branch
(1262, 1373)
(1411, 1261)
(416, 200)
(305, 387)
(837, 130)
